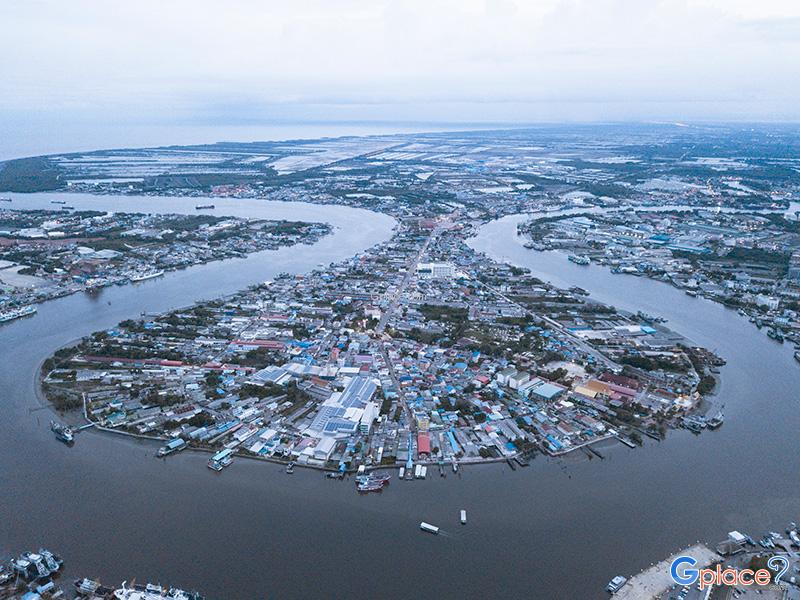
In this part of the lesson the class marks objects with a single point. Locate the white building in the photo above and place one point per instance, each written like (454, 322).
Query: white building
(435, 271)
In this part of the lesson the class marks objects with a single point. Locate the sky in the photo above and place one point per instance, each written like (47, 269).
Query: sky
(253, 62)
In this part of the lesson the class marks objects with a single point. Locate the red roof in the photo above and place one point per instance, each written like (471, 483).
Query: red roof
(423, 444)
(274, 344)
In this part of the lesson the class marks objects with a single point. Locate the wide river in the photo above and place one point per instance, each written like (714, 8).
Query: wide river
(559, 529)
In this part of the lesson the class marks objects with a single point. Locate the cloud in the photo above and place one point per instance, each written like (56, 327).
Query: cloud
(248, 58)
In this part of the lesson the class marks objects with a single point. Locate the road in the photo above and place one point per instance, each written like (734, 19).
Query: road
(580, 343)
(410, 272)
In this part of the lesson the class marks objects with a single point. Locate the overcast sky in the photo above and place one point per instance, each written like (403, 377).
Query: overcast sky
(246, 61)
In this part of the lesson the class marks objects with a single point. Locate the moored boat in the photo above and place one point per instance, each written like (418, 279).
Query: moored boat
(369, 487)
(578, 260)
(147, 275)
(92, 588)
(10, 315)
(63, 432)
(716, 420)
(616, 584)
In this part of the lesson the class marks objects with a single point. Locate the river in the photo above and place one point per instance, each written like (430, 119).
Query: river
(559, 529)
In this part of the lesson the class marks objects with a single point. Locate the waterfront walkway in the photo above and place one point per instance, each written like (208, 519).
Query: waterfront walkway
(656, 580)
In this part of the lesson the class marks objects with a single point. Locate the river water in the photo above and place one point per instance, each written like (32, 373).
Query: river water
(559, 529)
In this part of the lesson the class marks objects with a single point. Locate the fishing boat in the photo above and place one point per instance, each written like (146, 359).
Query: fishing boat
(5, 199)
(369, 487)
(204, 207)
(290, 468)
(716, 420)
(10, 315)
(373, 479)
(578, 260)
(63, 432)
(775, 335)
(152, 592)
(692, 425)
(36, 566)
(91, 588)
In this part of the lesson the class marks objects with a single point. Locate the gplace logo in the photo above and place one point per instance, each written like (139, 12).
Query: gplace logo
(683, 572)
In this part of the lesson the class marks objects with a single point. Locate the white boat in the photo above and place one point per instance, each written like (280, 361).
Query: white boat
(616, 584)
(463, 517)
(153, 592)
(401, 473)
(429, 528)
(147, 275)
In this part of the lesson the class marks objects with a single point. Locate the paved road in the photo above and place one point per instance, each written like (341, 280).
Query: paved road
(410, 272)
(583, 345)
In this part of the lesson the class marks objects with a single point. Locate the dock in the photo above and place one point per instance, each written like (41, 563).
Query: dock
(626, 441)
(656, 580)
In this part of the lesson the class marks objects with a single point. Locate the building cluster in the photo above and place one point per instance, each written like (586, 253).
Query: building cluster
(745, 260)
(50, 253)
(418, 351)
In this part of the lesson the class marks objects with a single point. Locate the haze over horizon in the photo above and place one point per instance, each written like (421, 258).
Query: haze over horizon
(69, 68)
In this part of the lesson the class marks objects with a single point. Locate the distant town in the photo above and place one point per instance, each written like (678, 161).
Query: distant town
(46, 254)
(744, 260)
